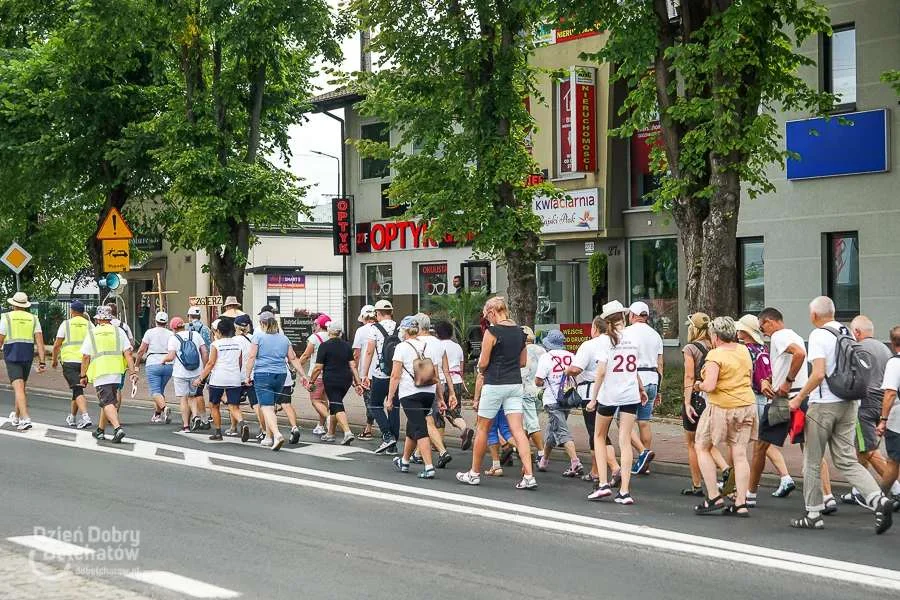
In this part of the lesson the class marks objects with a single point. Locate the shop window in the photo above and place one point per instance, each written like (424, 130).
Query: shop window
(838, 65)
(379, 282)
(751, 275)
(653, 278)
(842, 272)
(432, 283)
(477, 276)
(375, 168)
(558, 293)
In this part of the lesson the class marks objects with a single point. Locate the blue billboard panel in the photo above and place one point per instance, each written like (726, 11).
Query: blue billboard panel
(829, 148)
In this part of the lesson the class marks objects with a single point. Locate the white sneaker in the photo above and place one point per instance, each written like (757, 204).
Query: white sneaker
(85, 421)
(70, 420)
(24, 425)
(13, 419)
(267, 441)
(167, 415)
(319, 430)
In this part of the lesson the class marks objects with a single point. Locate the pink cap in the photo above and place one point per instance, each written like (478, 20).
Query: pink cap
(323, 320)
(176, 322)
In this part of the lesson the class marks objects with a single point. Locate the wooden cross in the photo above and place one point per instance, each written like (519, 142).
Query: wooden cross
(159, 293)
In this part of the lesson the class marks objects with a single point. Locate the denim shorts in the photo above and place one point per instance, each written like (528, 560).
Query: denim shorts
(268, 386)
(232, 395)
(499, 428)
(645, 412)
(493, 397)
(158, 377)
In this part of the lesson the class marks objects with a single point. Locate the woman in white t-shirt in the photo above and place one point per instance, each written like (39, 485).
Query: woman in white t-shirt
(416, 401)
(623, 393)
(225, 371)
(307, 361)
(155, 347)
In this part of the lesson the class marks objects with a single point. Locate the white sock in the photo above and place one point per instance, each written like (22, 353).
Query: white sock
(828, 497)
(787, 479)
(751, 494)
(813, 514)
(895, 489)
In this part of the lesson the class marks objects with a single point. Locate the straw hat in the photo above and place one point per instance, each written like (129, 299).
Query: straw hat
(749, 324)
(19, 300)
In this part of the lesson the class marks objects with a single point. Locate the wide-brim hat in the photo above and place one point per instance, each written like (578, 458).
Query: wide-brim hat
(612, 308)
(749, 324)
(231, 301)
(19, 300)
(554, 340)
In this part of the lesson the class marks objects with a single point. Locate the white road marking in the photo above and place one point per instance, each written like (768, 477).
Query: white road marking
(50, 546)
(181, 584)
(665, 540)
(319, 450)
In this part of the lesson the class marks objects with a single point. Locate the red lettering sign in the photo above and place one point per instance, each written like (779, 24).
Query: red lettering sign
(399, 235)
(341, 217)
(586, 116)
(575, 334)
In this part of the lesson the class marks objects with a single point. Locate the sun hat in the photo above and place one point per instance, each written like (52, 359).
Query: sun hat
(409, 322)
(231, 301)
(366, 312)
(176, 323)
(19, 300)
(554, 340)
(612, 308)
(103, 314)
(750, 324)
(384, 305)
(322, 320)
(194, 311)
(639, 308)
(162, 317)
(77, 306)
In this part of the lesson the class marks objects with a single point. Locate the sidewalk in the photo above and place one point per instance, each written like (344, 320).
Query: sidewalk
(668, 435)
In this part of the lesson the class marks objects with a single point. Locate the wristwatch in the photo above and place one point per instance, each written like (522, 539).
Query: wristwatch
(790, 379)
(883, 419)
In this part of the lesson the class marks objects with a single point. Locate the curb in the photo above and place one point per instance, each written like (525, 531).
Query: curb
(662, 467)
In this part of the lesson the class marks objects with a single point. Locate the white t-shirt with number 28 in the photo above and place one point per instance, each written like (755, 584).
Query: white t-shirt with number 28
(551, 368)
(620, 386)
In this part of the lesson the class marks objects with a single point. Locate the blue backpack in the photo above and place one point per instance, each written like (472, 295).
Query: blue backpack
(188, 354)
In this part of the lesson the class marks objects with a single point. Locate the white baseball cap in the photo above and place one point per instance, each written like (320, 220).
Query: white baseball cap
(162, 317)
(367, 311)
(639, 308)
(194, 311)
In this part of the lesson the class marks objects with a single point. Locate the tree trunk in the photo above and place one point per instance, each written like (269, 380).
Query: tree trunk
(717, 290)
(227, 265)
(520, 270)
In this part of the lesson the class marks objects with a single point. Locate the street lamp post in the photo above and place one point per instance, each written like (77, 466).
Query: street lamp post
(338, 189)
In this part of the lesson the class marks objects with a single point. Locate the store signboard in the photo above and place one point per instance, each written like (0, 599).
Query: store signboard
(297, 330)
(576, 104)
(398, 235)
(341, 218)
(575, 334)
(576, 211)
(286, 281)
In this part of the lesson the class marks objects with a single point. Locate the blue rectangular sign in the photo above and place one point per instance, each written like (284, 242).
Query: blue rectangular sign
(831, 148)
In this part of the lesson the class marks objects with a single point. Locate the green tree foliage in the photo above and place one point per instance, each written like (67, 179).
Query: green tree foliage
(892, 78)
(455, 87)
(240, 76)
(462, 310)
(74, 77)
(713, 77)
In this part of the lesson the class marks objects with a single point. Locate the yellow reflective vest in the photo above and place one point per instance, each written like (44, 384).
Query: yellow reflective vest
(20, 329)
(106, 355)
(76, 330)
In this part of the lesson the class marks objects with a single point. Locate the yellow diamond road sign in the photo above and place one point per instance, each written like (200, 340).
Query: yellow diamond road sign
(16, 258)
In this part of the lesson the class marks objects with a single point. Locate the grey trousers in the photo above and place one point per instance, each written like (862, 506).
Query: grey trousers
(833, 426)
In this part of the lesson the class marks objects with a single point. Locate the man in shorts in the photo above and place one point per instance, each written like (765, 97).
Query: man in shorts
(889, 420)
(20, 331)
(67, 349)
(106, 358)
(866, 439)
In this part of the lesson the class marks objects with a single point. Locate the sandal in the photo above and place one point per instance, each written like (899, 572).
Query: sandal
(710, 505)
(734, 510)
(590, 477)
(694, 490)
(807, 522)
(494, 472)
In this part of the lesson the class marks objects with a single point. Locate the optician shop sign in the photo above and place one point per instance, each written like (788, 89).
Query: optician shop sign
(398, 235)
(578, 210)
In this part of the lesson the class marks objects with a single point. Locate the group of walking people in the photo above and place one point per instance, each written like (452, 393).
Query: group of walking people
(836, 395)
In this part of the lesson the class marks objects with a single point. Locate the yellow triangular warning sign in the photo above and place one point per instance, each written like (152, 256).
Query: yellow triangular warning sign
(114, 227)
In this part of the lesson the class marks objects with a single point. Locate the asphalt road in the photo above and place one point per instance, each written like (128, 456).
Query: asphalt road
(319, 524)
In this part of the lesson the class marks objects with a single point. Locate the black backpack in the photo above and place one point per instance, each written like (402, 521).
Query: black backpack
(386, 359)
(852, 364)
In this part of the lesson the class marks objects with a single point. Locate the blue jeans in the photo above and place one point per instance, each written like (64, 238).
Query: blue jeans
(158, 377)
(388, 423)
(645, 412)
(268, 386)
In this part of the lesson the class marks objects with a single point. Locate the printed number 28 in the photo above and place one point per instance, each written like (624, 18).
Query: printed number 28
(625, 362)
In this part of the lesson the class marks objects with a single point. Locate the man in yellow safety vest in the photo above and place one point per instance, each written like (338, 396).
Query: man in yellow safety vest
(106, 352)
(67, 349)
(19, 332)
